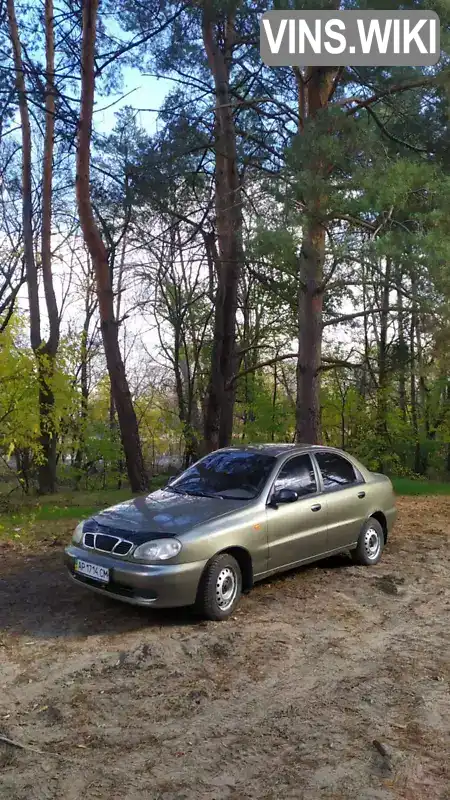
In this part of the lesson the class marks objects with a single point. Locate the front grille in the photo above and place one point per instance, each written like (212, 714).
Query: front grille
(122, 548)
(106, 543)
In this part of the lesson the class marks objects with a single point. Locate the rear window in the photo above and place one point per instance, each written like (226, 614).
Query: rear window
(336, 470)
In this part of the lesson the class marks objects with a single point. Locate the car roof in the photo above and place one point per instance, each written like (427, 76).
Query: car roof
(278, 449)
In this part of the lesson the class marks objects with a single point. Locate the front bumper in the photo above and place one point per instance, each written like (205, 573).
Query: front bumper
(159, 586)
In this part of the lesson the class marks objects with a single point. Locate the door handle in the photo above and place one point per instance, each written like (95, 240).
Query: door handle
(317, 507)
(361, 495)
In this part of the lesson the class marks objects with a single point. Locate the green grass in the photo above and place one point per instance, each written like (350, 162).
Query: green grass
(416, 486)
(30, 520)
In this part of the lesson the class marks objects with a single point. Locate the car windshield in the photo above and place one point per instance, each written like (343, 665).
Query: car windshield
(233, 474)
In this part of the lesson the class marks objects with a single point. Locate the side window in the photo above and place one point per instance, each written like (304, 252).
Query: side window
(297, 474)
(336, 471)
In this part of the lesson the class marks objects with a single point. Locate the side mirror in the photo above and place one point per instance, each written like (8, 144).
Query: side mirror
(284, 496)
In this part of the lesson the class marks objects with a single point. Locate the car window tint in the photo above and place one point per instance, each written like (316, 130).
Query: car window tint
(336, 471)
(297, 474)
(236, 474)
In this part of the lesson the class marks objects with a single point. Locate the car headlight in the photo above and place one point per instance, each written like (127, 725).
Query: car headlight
(158, 550)
(78, 533)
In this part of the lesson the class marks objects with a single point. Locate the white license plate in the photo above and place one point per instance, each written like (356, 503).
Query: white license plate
(92, 571)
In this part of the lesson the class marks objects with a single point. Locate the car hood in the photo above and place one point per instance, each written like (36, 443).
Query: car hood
(164, 513)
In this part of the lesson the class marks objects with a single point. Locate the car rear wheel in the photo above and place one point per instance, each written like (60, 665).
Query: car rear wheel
(370, 543)
(220, 588)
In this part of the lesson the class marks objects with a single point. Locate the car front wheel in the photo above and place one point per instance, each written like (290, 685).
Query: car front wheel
(370, 543)
(220, 588)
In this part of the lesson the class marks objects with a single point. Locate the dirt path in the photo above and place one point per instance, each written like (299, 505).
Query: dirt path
(285, 700)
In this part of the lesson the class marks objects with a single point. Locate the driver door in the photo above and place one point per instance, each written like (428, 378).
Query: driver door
(297, 531)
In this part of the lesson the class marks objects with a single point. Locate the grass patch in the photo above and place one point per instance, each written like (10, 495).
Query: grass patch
(36, 521)
(420, 487)
(51, 518)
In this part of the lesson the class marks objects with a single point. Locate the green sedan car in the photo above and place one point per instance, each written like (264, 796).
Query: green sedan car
(235, 517)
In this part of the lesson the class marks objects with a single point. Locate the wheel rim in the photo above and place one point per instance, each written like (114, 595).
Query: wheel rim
(372, 543)
(226, 588)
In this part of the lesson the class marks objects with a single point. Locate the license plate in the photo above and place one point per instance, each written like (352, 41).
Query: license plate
(93, 571)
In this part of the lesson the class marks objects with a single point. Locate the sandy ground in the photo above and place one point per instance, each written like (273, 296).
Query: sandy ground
(330, 682)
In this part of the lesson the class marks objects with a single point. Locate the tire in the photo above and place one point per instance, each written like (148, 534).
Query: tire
(370, 544)
(220, 588)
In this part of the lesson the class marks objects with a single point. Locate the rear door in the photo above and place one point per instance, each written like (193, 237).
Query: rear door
(345, 492)
(297, 531)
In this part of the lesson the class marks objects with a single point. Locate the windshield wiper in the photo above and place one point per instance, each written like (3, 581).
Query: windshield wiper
(234, 497)
(203, 494)
(210, 494)
(173, 489)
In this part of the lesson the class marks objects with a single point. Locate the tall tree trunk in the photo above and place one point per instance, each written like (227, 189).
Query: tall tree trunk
(343, 395)
(309, 317)
(383, 373)
(120, 389)
(182, 386)
(314, 92)
(45, 352)
(448, 446)
(112, 408)
(221, 394)
(424, 400)
(274, 401)
(84, 398)
(402, 347)
(23, 466)
(367, 375)
(89, 307)
(48, 437)
(47, 472)
(27, 197)
(413, 381)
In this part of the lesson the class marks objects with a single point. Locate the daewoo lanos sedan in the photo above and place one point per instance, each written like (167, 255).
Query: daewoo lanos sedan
(233, 518)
